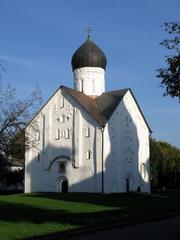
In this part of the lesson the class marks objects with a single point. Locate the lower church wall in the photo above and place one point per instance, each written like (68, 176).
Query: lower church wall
(126, 150)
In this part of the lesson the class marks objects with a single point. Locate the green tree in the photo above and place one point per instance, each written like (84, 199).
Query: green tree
(155, 156)
(170, 75)
(165, 164)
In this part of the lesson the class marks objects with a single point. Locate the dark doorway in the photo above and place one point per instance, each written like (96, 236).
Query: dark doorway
(127, 185)
(64, 186)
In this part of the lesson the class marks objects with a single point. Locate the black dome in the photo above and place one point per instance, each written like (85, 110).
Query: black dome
(88, 55)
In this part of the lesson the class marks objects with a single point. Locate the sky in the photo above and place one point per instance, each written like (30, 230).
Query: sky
(39, 37)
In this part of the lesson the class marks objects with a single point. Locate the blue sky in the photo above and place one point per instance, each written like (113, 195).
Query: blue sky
(38, 38)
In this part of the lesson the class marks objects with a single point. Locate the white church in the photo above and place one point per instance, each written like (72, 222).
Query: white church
(86, 139)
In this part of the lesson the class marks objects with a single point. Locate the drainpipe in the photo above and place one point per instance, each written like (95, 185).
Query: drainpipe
(150, 170)
(102, 159)
(73, 140)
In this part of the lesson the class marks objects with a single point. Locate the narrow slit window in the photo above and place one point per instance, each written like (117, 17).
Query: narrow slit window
(93, 86)
(80, 83)
(87, 132)
(61, 102)
(43, 137)
(67, 133)
(37, 136)
(88, 155)
(143, 170)
(38, 157)
(57, 135)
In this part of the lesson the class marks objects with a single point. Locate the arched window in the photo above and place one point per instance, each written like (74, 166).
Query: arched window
(38, 157)
(81, 85)
(93, 86)
(86, 132)
(61, 102)
(88, 154)
(37, 135)
(62, 168)
(143, 170)
(57, 136)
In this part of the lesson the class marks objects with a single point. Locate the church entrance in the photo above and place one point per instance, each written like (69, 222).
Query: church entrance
(129, 182)
(64, 186)
(127, 185)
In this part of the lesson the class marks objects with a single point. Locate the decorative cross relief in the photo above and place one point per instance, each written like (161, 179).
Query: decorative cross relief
(70, 115)
(128, 138)
(128, 130)
(61, 118)
(55, 115)
(128, 121)
(129, 155)
(54, 107)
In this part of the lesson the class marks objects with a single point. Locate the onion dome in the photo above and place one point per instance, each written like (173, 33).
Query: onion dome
(88, 55)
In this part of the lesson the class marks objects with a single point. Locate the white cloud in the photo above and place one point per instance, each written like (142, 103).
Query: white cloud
(19, 61)
(16, 60)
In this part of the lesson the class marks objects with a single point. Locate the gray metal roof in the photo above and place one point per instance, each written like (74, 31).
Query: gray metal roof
(108, 101)
(100, 108)
(88, 55)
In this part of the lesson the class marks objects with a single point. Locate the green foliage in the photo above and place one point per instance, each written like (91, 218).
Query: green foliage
(165, 164)
(15, 149)
(170, 75)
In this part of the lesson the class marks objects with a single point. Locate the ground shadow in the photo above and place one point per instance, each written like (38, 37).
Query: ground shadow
(14, 212)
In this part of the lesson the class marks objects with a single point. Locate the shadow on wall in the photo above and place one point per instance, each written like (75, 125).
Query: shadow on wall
(121, 170)
(122, 163)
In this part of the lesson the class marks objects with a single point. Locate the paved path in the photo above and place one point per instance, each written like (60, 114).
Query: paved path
(166, 229)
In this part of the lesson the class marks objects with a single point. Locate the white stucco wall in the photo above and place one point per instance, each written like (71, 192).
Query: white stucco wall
(77, 150)
(90, 80)
(78, 144)
(126, 152)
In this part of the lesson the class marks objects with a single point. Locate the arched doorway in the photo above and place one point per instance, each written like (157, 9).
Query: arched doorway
(127, 184)
(64, 186)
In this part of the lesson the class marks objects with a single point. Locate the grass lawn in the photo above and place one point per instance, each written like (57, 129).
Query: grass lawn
(27, 215)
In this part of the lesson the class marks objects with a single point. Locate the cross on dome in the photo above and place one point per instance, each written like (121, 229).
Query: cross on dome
(88, 30)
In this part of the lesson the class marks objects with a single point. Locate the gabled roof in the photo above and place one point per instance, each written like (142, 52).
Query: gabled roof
(100, 108)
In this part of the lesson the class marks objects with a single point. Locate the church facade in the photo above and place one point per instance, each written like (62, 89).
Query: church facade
(88, 140)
